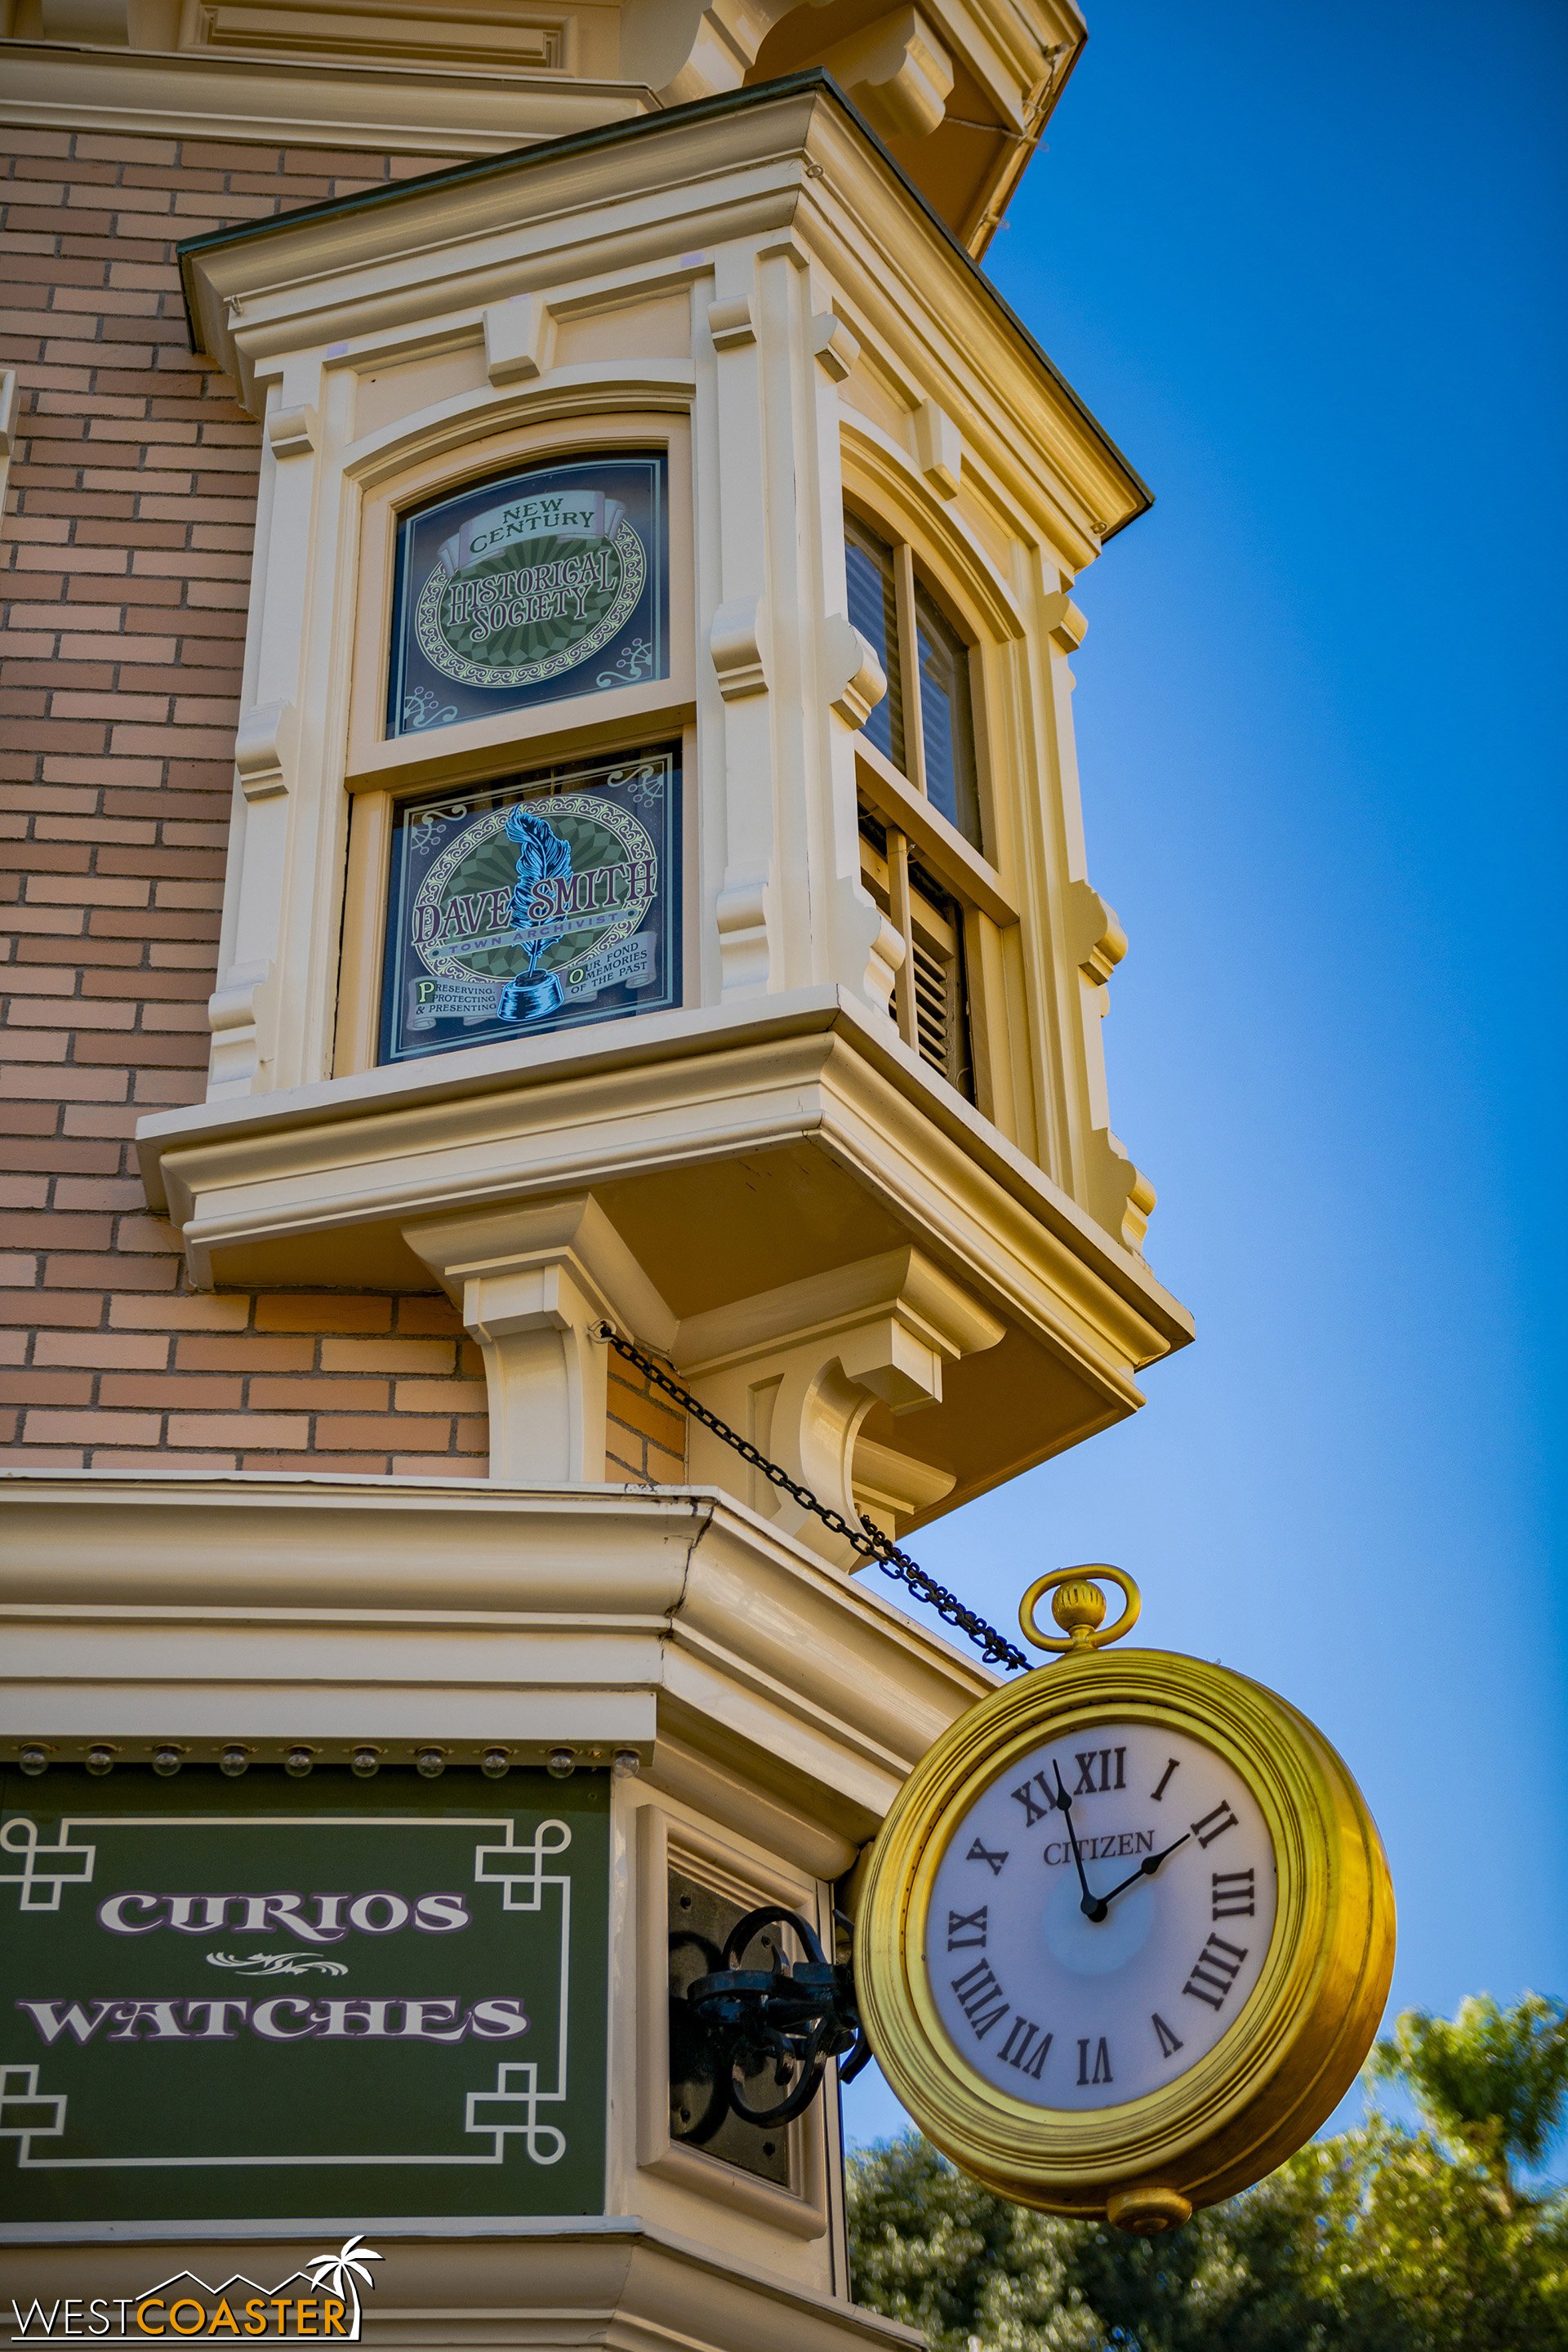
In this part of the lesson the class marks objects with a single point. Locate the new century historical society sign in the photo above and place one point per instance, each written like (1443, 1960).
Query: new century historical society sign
(274, 2000)
(541, 585)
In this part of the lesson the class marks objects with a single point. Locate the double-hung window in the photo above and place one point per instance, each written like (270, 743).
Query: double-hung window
(925, 723)
(924, 728)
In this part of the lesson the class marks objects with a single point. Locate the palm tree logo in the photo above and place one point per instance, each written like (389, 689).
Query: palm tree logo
(340, 2273)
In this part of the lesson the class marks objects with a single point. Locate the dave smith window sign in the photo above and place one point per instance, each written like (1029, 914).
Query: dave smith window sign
(547, 583)
(532, 906)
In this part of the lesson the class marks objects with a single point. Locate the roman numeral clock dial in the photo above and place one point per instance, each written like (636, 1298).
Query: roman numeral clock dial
(1126, 1934)
(1104, 1909)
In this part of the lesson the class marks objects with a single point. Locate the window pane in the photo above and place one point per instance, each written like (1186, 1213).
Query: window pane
(947, 719)
(873, 608)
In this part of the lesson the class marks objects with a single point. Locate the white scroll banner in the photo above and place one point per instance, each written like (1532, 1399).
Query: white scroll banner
(549, 514)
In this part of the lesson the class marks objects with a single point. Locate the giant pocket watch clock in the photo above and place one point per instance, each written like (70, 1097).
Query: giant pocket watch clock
(1126, 1935)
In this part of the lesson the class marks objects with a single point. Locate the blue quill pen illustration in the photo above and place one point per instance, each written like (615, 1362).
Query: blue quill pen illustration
(542, 856)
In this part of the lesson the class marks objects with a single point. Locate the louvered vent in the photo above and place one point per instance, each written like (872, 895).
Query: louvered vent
(929, 1005)
(933, 1007)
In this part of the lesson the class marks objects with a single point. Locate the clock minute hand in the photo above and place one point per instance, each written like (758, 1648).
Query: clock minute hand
(1146, 1869)
(1091, 1907)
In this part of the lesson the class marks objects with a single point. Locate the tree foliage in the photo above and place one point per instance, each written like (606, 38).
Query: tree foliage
(1491, 2080)
(1384, 2238)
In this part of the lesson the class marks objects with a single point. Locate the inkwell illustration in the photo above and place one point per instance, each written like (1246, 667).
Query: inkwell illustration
(542, 856)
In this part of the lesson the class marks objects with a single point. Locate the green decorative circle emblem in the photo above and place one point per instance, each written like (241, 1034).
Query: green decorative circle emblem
(536, 905)
(529, 590)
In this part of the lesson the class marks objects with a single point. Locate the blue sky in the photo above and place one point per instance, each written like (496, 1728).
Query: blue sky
(1308, 270)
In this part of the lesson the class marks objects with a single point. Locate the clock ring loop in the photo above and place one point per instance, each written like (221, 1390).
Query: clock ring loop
(1079, 1608)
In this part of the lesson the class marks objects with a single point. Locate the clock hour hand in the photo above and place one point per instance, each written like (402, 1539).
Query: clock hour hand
(1091, 1907)
(1146, 1869)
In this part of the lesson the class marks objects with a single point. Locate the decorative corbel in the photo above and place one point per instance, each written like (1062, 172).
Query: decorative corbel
(240, 1015)
(735, 644)
(731, 326)
(685, 50)
(890, 1486)
(1065, 626)
(530, 1284)
(264, 749)
(1097, 941)
(853, 678)
(797, 1369)
(898, 73)
(740, 913)
(519, 337)
(834, 346)
(292, 432)
(1121, 1195)
(938, 449)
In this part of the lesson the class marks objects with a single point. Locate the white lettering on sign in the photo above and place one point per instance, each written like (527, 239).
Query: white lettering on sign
(281, 2017)
(536, 591)
(375, 1914)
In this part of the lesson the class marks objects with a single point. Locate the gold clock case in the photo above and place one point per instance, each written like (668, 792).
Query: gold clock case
(1294, 2048)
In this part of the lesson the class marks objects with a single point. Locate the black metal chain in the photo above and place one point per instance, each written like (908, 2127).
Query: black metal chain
(867, 1540)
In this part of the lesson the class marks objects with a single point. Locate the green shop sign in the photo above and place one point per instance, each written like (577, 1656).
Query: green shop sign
(273, 2000)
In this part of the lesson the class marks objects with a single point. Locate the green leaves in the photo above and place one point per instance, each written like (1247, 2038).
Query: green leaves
(1380, 2239)
(1491, 2081)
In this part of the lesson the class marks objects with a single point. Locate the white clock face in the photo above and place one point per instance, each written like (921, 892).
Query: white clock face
(1079, 1980)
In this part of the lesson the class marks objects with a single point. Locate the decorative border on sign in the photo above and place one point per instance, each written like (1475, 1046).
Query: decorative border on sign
(544, 2143)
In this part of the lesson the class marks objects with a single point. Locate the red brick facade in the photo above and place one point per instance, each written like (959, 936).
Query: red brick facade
(126, 551)
(645, 1437)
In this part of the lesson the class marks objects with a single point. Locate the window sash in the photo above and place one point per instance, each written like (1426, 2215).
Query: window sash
(924, 725)
(947, 717)
(873, 610)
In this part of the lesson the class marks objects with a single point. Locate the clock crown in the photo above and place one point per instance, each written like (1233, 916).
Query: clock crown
(1078, 1608)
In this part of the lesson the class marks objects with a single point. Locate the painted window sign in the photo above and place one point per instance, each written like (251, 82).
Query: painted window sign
(539, 903)
(268, 2001)
(551, 583)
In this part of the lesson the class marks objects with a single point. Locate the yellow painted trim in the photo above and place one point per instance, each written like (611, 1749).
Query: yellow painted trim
(363, 934)
(301, 101)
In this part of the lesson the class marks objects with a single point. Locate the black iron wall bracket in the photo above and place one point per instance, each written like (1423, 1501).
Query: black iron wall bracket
(768, 2033)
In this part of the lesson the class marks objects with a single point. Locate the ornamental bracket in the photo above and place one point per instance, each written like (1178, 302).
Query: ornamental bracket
(760, 2038)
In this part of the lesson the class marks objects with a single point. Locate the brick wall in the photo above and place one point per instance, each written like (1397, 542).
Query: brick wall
(645, 1438)
(125, 549)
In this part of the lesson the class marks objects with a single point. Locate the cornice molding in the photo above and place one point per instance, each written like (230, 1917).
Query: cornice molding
(791, 155)
(910, 300)
(578, 1613)
(299, 101)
